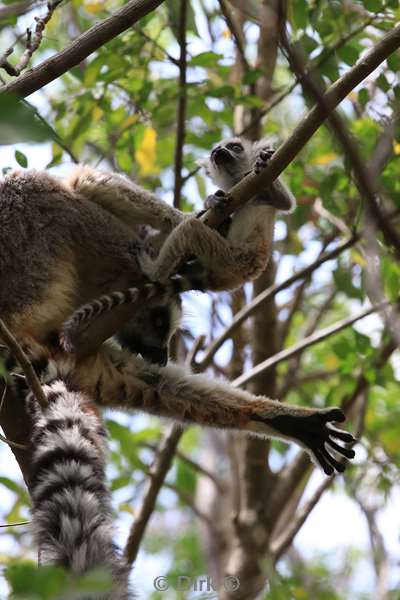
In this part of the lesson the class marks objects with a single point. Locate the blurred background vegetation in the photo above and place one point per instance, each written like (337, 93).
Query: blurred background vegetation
(253, 509)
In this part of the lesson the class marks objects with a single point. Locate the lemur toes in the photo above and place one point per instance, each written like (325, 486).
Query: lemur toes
(334, 414)
(219, 200)
(315, 432)
(262, 160)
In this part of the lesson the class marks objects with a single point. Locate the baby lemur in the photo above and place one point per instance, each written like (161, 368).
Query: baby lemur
(228, 261)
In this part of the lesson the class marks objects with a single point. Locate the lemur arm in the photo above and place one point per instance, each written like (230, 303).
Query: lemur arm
(228, 262)
(115, 378)
(126, 200)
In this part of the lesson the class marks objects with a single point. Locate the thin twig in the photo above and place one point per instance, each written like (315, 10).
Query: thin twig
(3, 525)
(196, 466)
(12, 444)
(309, 341)
(280, 545)
(33, 41)
(24, 363)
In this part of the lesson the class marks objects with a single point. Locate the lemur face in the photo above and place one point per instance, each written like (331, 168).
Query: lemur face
(150, 332)
(229, 161)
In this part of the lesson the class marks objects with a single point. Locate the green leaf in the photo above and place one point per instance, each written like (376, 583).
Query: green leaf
(373, 5)
(21, 159)
(19, 122)
(349, 54)
(363, 97)
(205, 59)
(393, 62)
(300, 15)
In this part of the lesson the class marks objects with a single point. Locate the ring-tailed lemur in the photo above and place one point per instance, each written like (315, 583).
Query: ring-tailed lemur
(71, 513)
(228, 261)
(115, 378)
(58, 251)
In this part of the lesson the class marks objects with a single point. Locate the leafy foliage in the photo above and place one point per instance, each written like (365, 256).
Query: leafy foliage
(117, 109)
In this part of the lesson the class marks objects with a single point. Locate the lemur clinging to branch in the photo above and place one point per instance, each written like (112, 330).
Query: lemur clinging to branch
(228, 261)
(58, 250)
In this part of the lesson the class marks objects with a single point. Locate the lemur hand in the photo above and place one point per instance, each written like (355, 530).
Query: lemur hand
(315, 432)
(220, 200)
(262, 160)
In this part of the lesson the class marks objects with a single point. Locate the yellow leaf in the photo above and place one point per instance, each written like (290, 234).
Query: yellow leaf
(324, 159)
(97, 114)
(396, 148)
(94, 7)
(145, 155)
(226, 34)
(129, 121)
(358, 259)
(331, 362)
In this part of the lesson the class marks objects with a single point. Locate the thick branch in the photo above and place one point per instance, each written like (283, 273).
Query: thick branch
(81, 48)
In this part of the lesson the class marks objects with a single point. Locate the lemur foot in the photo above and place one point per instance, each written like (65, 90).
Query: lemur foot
(220, 200)
(262, 160)
(315, 432)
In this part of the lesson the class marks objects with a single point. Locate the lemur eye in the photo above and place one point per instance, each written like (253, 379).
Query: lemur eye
(236, 147)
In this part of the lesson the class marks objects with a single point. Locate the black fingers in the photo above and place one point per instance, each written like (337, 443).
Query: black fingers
(347, 452)
(339, 434)
(334, 414)
(326, 467)
(338, 466)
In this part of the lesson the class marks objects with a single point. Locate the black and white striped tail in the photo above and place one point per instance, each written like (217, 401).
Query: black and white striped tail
(84, 316)
(72, 515)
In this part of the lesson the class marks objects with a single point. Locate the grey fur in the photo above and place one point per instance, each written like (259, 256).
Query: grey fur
(72, 514)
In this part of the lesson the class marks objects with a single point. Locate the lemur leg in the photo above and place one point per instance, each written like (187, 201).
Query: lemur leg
(227, 264)
(115, 378)
(123, 198)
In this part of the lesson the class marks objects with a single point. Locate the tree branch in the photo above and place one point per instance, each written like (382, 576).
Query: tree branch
(24, 362)
(279, 546)
(311, 340)
(158, 472)
(252, 183)
(182, 101)
(80, 48)
(266, 295)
